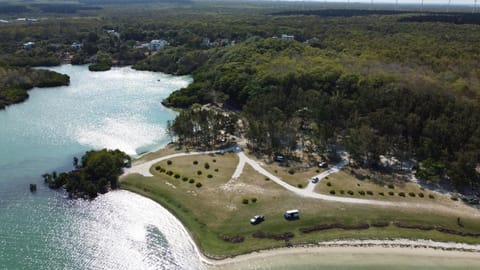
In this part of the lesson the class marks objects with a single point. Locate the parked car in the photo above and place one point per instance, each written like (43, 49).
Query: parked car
(292, 214)
(323, 164)
(315, 180)
(257, 219)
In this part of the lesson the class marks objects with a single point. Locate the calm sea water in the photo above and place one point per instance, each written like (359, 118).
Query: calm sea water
(120, 230)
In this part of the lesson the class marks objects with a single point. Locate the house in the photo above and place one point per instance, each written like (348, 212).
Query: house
(287, 37)
(112, 32)
(28, 45)
(76, 45)
(157, 44)
(205, 42)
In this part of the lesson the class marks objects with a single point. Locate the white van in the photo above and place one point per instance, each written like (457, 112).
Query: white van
(292, 214)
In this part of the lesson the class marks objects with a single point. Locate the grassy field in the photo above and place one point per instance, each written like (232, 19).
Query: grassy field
(223, 207)
(346, 185)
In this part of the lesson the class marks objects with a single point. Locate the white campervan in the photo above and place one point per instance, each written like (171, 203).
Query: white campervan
(292, 214)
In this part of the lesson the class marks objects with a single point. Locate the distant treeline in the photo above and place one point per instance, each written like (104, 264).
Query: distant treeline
(341, 12)
(102, 2)
(46, 8)
(457, 18)
(12, 9)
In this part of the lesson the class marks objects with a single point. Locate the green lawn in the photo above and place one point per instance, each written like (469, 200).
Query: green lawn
(216, 209)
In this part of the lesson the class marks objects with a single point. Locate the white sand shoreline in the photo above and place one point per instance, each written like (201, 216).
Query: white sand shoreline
(395, 246)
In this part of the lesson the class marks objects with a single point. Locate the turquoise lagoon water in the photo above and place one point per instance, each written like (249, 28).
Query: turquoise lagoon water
(120, 230)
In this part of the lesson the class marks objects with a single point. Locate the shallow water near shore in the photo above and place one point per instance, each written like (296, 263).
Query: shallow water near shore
(120, 109)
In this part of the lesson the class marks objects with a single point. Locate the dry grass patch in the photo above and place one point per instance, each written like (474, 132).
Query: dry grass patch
(300, 176)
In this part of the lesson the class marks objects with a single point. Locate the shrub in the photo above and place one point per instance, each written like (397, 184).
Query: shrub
(431, 196)
(162, 170)
(401, 194)
(199, 172)
(185, 179)
(329, 184)
(369, 192)
(254, 200)
(391, 186)
(421, 195)
(358, 184)
(216, 170)
(326, 177)
(391, 193)
(170, 173)
(342, 192)
(300, 186)
(245, 201)
(214, 160)
(317, 171)
(195, 162)
(291, 171)
(209, 176)
(198, 185)
(361, 192)
(158, 168)
(454, 198)
(267, 179)
(381, 194)
(191, 181)
(177, 175)
(332, 192)
(411, 194)
(206, 166)
(169, 162)
(350, 193)
(422, 189)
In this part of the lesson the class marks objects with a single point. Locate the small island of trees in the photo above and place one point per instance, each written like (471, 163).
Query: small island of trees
(98, 172)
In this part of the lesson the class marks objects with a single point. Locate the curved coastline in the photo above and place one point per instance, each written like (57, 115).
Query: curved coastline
(381, 246)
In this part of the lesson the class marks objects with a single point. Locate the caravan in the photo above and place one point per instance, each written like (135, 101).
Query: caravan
(292, 214)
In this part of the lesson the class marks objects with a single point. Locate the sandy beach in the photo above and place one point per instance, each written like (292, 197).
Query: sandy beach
(360, 254)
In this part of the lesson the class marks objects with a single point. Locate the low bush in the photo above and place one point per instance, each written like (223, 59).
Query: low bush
(369, 192)
(191, 181)
(209, 176)
(195, 162)
(199, 172)
(214, 160)
(300, 186)
(158, 168)
(421, 195)
(206, 166)
(381, 194)
(185, 179)
(454, 198)
(332, 192)
(291, 171)
(170, 173)
(350, 193)
(329, 184)
(401, 194)
(267, 179)
(342, 192)
(245, 201)
(361, 192)
(391, 193)
(169, 162)
(177, 176)
(198, 185)
(431, 196)
(411, 194)
(254, 200)
(391, 186)
(216, 170)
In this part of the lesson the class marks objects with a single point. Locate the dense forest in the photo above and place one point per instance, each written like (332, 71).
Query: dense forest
(378, 83)
(96, 172)
(14, 83)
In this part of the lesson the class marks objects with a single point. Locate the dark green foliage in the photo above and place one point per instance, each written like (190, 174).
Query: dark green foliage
(401, 194)
(291, 171)
(350, 193)
(209, 176)
(411, 194)
(33, 187)
(391, 193)
(177, 176)
(198, 185)
(342, 192)
(169, 162)
(98, 172)
(421, 195)
(361, 192)
(195, 162)
(206, 166)
(184, 179)
(431, 196)
(369, 192)
(199, 172)
(332, 192)
(391, 186)
(245, 201)
(14, 83)
(170, 173)
(300, 186)
(191, 181)
(329, 184)
(254, 200)
(381, 194)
